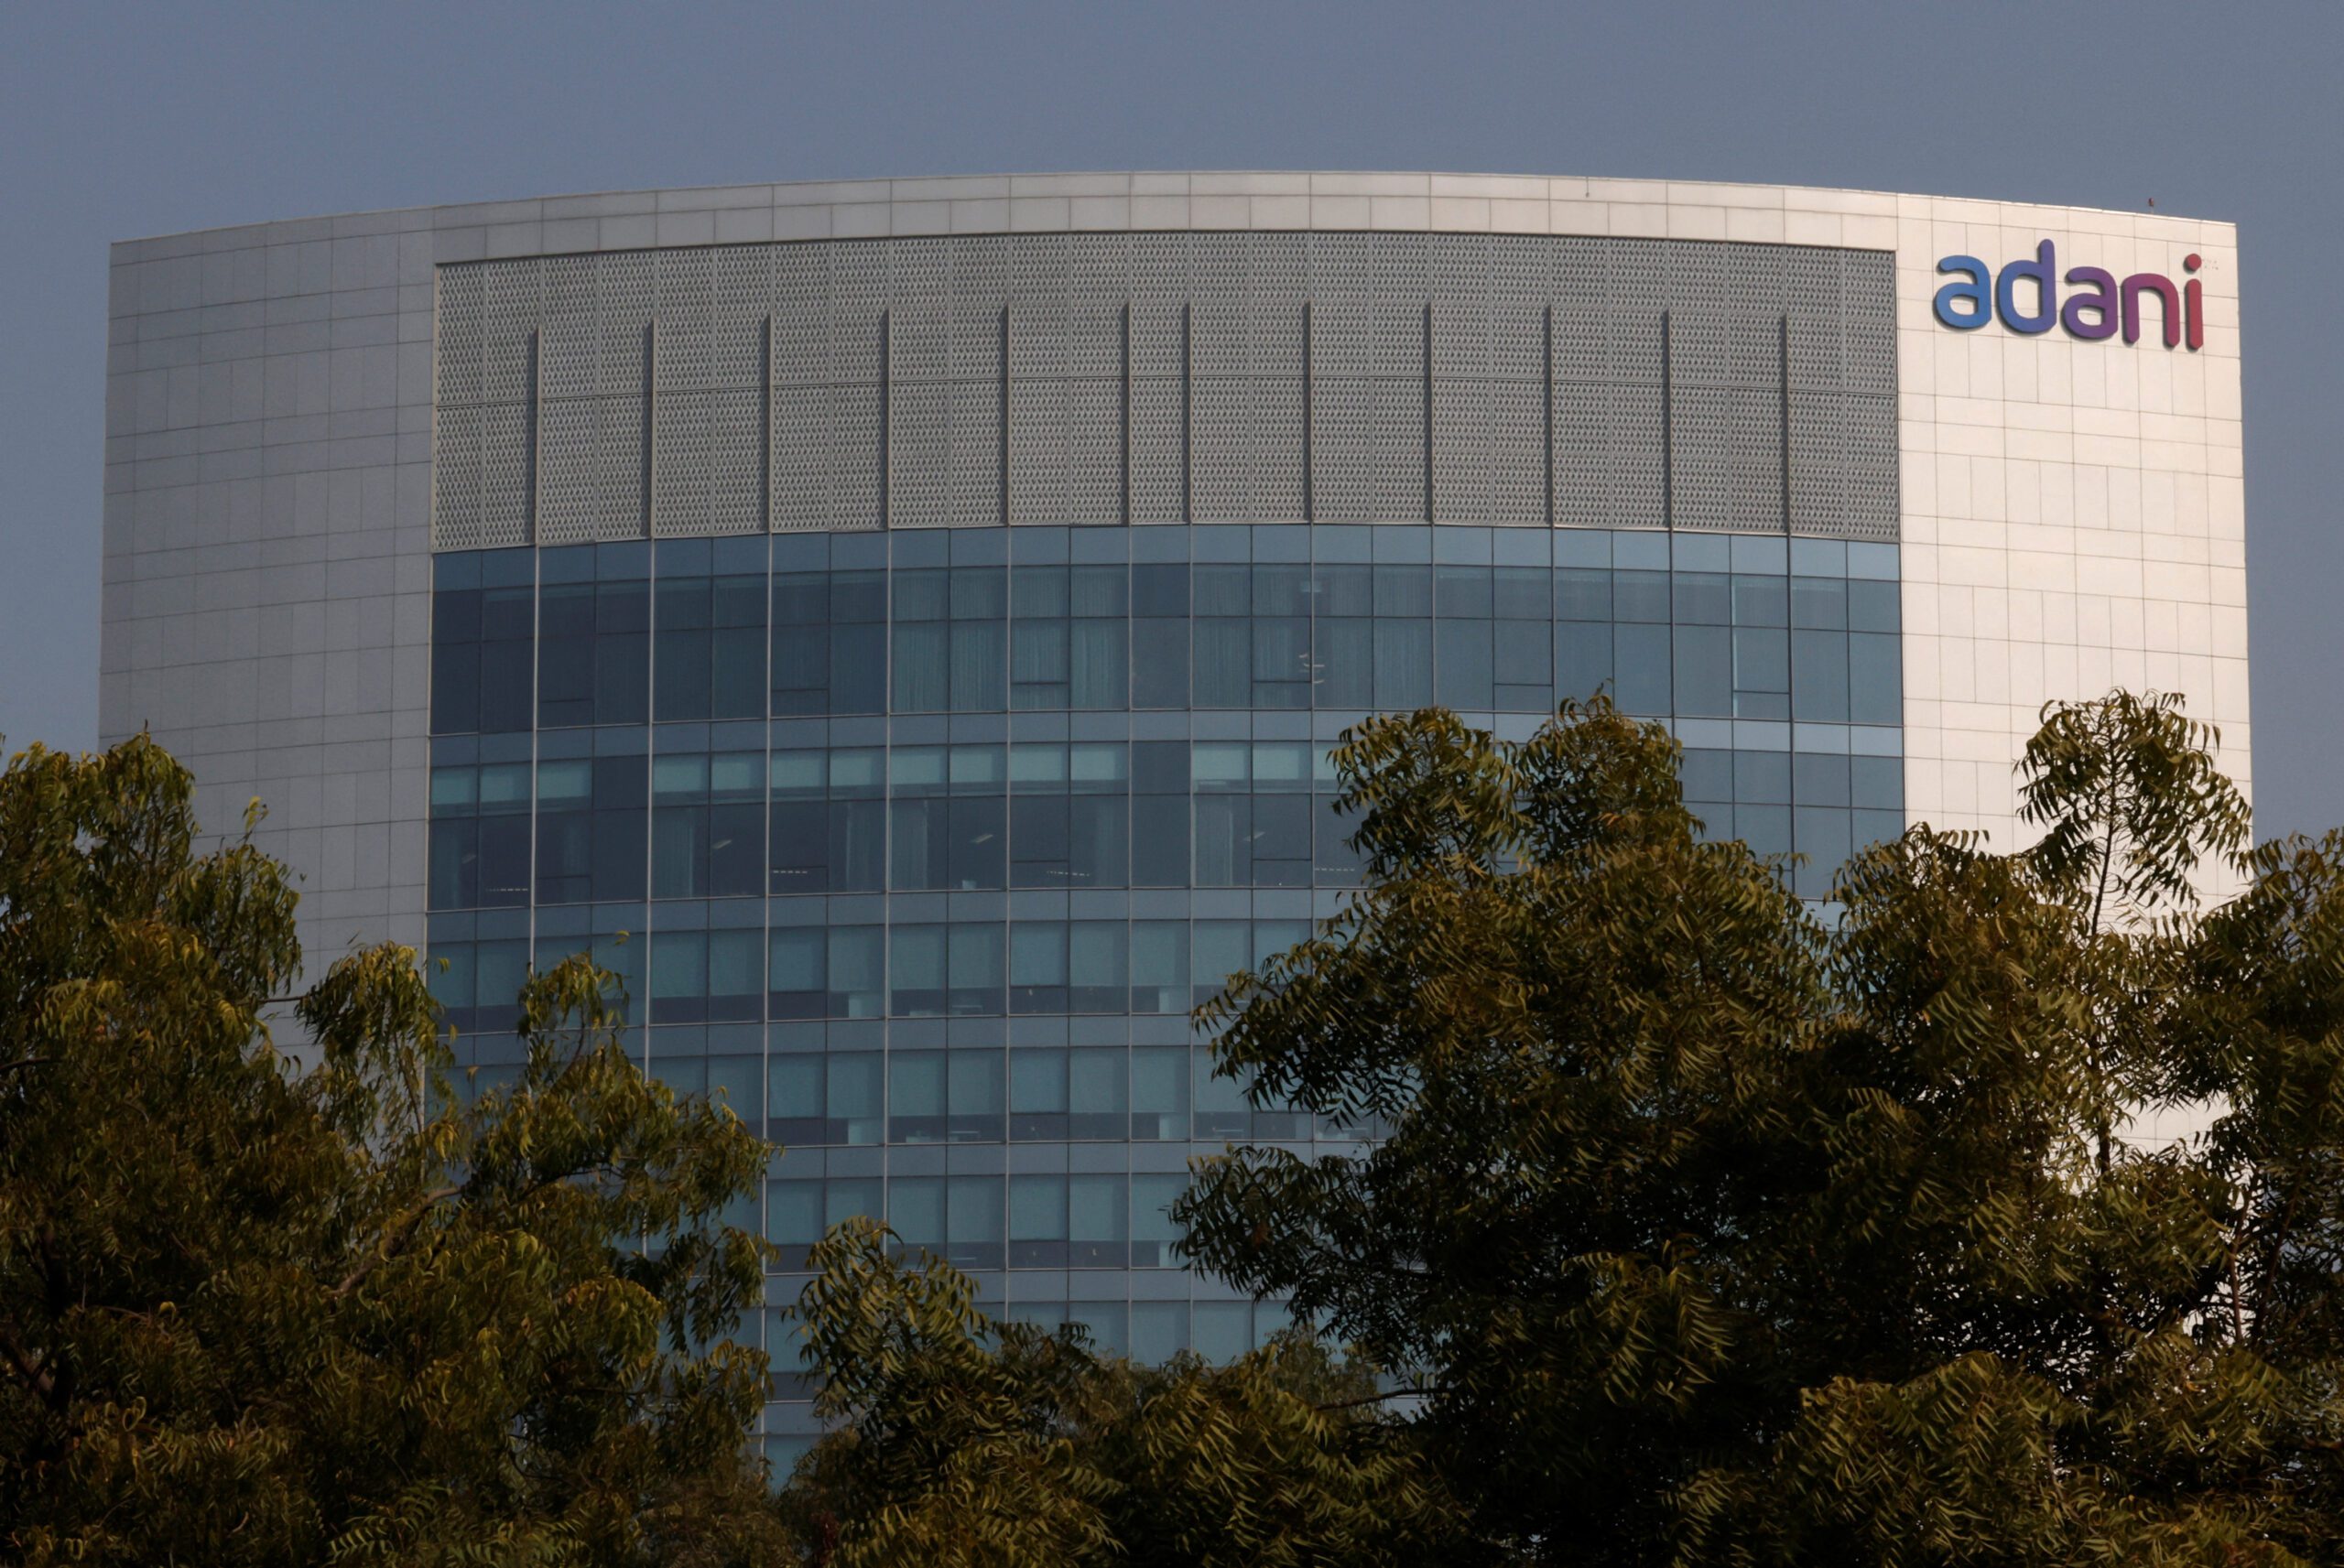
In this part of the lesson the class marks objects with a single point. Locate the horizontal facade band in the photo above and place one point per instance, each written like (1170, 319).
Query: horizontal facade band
(1172, 377)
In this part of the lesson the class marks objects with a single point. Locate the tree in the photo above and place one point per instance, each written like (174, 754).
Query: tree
(960, 1440)
(254, 1316)
(1716, 1231)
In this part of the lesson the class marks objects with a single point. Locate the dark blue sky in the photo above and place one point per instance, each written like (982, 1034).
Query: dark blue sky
(118, 121)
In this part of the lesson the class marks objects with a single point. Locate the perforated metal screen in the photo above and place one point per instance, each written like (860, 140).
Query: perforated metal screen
(1165, 377)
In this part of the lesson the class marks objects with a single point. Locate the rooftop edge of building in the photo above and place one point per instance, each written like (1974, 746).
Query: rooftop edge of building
(1109, 201)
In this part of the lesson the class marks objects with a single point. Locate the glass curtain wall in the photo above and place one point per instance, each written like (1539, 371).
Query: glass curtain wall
(920, 846)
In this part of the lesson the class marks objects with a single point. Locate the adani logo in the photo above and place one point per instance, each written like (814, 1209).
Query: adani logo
(2099, 309)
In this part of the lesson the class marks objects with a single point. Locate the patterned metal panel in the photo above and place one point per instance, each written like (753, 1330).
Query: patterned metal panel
(1401, 462)
(1037, 448)
(1700, 464)
(919, 454)
(740, 305)
(1636, 453)
(855, 448)
(1581, 412)
(568, 330)
(566, 471)
(1159, 442)
(686, 311)
(462, 342)
(736, 459)
(1342, 436)
(622, 466)
(624, 299)
(1277, 286)
(1868, 434)
(510, 313)
(1217, 456)
(975, 456)
(1098, 286)
(1094, 424)
(798, 469)
(1461, 411)
(505, 476)
(1142, 377)
(800, 302)
(455, 477)
(1818, 468)
(1516, 443)
(1275, 446)
(1868, 321)
(681, 475)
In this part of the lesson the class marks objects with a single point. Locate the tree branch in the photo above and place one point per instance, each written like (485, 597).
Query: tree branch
(38, 1379)
(1374, 1398)
(397, 1241)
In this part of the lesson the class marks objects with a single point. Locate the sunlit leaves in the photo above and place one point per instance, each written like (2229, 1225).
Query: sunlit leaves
(254, 1315)
(1719, 1232)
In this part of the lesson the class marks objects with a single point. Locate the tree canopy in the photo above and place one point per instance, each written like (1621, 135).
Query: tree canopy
(1702, 1226)
(249, 1316)
(960, 1440)
(1717, 1229)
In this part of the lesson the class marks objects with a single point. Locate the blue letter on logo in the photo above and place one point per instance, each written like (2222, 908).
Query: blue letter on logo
(2041, 269)
(1981, 310)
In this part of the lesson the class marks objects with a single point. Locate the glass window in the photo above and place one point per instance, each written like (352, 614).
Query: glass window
(973, 1222)
(1159, 1087)
(1098, 1105)
(1037, 981)
(1160, 966)
(794, 1100)
(794, 1219)
(797, 970)
(1820, 677)
(916, 970)
(1037, 1222)
(1098, 1228)
(916, 1213)
(1875, 683)
(916, 1087)
(1154, 1233)
(1704, 672)
(857, 969)
(1037, 1094)
(975, 969)
(1159, 1331)
(974, 1100)
(1098, 966)
(853, 1098)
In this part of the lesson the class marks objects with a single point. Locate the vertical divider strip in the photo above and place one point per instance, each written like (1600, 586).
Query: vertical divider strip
(1782, 409)
(1187, 409)
(1425, 346)
(1004, 431)
(1547, 404)
(1667, 430)
(764, 421)
(886, 418)
(650, 420)
(1124, 413)
(1309, 416)
(529, 438)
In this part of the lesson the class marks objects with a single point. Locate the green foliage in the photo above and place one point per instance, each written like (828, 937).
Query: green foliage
(2130, 801)
(1720, 1233)
(254, 1316)
(964, 1441)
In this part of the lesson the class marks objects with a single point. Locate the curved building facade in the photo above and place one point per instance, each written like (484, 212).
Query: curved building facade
(901, 625)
